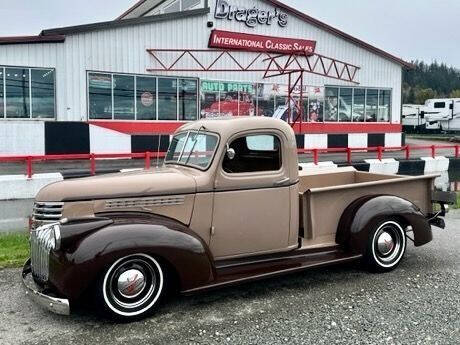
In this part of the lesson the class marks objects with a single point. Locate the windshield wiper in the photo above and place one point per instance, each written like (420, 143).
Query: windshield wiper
(194, 144)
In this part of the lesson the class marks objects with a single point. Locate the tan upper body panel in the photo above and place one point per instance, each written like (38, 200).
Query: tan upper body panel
(229, 129)
(156, 182)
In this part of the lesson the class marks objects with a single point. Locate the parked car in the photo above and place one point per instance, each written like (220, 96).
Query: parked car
(229, 205)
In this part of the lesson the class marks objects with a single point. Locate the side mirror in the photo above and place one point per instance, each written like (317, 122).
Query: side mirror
(231, 153)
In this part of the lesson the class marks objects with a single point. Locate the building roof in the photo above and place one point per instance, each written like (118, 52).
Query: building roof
(32, 39)
(302, 16)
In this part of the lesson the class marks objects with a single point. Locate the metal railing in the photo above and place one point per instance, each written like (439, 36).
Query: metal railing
(148, 156)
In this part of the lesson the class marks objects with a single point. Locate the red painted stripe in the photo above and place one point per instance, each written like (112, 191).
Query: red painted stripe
(344, 127)
(136, 127)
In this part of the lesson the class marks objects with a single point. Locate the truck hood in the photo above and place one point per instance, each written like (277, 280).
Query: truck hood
(161, 181)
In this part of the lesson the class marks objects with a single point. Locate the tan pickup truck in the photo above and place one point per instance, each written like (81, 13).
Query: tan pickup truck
(229, 205)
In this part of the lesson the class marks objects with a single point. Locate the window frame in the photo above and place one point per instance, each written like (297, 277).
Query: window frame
(365, 88)
(193, 166)
(437, 103)
(254, 173)
(138, 75)
(30, 117)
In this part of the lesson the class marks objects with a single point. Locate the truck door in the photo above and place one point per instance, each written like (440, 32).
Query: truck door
(251, 212)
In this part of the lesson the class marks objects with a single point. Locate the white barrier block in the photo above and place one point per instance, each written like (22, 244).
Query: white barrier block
(436, 165)
(20, 187)
(388, 166)
(320, 165)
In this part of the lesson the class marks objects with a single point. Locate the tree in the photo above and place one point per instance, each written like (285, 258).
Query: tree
(424, 94)
(455, 94)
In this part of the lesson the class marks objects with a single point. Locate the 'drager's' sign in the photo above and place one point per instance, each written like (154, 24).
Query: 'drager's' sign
(251, 17)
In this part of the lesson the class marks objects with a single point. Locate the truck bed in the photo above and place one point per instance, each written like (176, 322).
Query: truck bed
(324, 196)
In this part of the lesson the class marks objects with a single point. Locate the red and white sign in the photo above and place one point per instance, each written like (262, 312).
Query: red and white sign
(147, 99)
(259, 43)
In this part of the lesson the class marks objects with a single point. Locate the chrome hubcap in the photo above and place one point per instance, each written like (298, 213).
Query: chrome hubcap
(385, 243)
(131, 283)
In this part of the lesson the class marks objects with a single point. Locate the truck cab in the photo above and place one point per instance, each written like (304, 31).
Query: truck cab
(229, 205)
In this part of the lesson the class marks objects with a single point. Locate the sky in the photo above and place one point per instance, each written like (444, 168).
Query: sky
(419, 29)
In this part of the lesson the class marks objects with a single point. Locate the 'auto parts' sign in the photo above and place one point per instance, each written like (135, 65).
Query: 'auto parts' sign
(259, 43)
(219, 86)
(251, 17)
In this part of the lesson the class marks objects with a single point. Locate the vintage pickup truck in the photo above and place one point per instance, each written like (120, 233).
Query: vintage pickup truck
(229, 205)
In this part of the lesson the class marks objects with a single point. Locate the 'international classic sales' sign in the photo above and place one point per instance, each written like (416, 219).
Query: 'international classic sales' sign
(258, 43)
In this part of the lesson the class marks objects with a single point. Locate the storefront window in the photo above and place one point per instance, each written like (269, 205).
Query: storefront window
(123, 97)
(359, 97)
(2, 93)
(345, 104)
(167, 99)
(188, 99)
(18, 93)
(100, 96)
(384, 106)
(131, 97)
(331, 104)
(265, 100)
(372, 97)
(43, 93)
(146, 98)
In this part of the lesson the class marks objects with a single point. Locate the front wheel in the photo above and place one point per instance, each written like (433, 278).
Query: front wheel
(132, 287)
(386, 246)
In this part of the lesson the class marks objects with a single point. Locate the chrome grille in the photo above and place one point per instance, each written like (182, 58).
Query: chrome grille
(41, 243)
(47, 212)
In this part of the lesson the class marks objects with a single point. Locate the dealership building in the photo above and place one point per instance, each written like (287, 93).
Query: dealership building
(126, 85)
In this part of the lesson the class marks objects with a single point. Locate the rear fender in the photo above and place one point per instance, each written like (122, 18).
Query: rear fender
(363, 214)
(74, 271)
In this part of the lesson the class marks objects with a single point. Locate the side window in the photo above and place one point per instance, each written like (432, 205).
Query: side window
(439, 105)
(254, 153)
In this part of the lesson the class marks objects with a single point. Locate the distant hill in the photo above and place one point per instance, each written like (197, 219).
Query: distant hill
(427, 81)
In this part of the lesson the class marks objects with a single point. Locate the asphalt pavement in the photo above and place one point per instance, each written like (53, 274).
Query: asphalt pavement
(419, 303)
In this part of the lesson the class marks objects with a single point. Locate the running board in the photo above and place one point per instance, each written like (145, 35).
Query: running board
(234, 273)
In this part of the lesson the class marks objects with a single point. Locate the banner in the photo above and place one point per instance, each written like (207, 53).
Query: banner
(258, 43)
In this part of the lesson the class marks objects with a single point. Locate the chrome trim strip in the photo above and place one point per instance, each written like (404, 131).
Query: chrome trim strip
(59, 306)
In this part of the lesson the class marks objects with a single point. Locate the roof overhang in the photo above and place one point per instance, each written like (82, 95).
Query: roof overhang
(32, 39)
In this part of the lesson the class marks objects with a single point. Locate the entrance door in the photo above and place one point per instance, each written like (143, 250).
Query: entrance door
(251, 204)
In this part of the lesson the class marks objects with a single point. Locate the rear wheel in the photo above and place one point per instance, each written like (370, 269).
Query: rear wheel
(386, 246)
(132, 287)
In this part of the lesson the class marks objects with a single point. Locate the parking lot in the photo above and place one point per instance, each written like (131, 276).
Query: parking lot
(418, 303)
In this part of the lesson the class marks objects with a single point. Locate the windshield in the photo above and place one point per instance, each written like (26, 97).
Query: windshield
(193, 148)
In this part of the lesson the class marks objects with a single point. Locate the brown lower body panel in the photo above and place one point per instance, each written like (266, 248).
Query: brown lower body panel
(234, 272)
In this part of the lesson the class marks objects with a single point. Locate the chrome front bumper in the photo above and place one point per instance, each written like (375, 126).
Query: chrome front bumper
(56, 305)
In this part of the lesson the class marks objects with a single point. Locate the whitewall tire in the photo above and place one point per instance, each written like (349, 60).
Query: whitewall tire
(132, 287)
(386, 247)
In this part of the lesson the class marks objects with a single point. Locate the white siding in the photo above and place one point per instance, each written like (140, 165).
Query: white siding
(123, 50)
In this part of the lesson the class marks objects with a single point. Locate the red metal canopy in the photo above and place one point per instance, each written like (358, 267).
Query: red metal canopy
(293, 65)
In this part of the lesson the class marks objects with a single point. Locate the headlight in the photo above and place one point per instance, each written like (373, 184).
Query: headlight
(56, 234)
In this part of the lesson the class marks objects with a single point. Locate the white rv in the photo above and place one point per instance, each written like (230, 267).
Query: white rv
(412, 118)
(445, 112)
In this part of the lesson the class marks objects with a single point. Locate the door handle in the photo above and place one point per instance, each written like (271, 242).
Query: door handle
(282, 182)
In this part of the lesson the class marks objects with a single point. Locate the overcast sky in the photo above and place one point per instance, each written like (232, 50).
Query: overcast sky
(418, 29)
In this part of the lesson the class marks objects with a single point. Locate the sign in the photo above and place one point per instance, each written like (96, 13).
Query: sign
(220, 86)
(251, 17)
(259, 43)
(147, 99)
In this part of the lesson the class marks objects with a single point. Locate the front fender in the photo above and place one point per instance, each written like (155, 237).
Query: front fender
(363, 214)
(74, 270)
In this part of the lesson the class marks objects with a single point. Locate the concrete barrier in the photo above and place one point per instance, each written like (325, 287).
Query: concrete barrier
(320, 165)
(385, 166)
(436, 165)
(15, 187)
